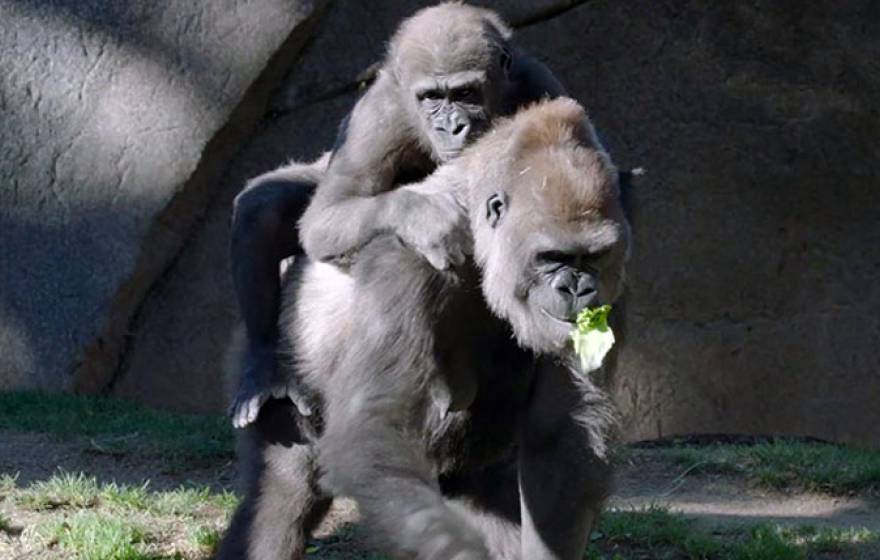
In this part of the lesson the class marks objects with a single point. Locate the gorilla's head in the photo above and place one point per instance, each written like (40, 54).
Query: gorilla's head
(550, 235)
(451, 63)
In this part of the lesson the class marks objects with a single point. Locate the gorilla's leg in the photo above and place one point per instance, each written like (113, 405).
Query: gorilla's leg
(564, 473)
(489, 500)
(372, 448)
(282, 503)
(264, 233)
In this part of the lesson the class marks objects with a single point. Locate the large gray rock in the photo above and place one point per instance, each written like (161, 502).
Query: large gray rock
(755, 286)
(117, 118)
(183, 332)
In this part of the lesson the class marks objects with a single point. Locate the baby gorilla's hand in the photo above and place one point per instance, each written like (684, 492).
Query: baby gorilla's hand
(434, 225)
(258, 384)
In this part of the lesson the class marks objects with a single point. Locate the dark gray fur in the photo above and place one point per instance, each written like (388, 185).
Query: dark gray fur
(449, 71)
(452, 411)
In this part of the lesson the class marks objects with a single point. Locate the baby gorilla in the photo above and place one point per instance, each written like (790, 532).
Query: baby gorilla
(452, 408)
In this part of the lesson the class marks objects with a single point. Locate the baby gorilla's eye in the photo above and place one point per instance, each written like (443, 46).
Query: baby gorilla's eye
(464, 94)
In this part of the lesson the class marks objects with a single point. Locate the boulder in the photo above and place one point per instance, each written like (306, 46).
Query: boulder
(117, 119)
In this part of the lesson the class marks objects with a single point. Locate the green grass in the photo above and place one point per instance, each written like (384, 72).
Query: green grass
(656, 533)
(78, 491)
(82, 519)
(205, 537)
(73, 515)
(7, 483)
(117, 426)
(815, 467)
(94, 536)
(6, 526)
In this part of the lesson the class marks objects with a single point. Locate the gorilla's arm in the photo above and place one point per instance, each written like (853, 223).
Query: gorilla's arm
(564, 473)
(355, 200)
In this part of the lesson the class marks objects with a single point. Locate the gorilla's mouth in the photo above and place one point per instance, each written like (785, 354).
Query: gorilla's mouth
(558, 319)
(448, 155)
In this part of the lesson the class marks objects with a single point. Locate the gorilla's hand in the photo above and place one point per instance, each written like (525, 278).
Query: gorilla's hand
(435, 225)
(259, 382)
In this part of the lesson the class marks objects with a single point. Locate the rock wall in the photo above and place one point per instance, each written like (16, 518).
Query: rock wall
(117, 119)
(754, 301)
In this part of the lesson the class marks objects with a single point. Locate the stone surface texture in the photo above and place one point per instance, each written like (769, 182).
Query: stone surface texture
(113, 123)
(754, 293)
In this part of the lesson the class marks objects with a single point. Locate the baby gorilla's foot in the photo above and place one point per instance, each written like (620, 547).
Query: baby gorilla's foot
(259, 382)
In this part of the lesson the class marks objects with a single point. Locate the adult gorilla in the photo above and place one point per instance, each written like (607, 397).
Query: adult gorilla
(449, 71)
(453, 410)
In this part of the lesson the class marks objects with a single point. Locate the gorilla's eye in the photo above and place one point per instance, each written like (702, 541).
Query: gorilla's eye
(495, 208)
(555, 257)
(578, 260)
(430, 95)
(464, 94)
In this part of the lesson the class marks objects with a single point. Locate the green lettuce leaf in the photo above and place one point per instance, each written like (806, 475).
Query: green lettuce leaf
(592, 338)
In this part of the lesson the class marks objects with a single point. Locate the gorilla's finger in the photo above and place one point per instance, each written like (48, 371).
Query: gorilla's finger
(254, 405)
(436, 258)
(300, 402)
(279, 391)
(238, 420)
(243, 413)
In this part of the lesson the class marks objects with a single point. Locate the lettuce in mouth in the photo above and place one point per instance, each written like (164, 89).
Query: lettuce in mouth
(592, 337)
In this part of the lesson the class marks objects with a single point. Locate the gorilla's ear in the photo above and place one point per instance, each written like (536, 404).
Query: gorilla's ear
(506, 61)
(496, 206)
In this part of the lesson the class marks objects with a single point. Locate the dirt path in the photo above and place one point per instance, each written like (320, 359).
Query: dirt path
(644, 481)
(714, 501)
(37, 457)
(725, 500)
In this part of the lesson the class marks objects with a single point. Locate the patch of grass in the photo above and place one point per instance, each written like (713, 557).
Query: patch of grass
(117, 426)
(61, 490)
(655, 532)
(766, 542)
(76, 490)
(815, 467)
(81, 518)
(654, 529)
(205, 537)
(7, 483)
(185, 501)
(7, 527)
(93, 536)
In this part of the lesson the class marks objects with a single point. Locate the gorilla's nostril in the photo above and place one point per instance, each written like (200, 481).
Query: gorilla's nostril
(458, 129)
(565, 283)
(585, 290)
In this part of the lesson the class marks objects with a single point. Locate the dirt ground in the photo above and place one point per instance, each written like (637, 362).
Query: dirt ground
(713, 500)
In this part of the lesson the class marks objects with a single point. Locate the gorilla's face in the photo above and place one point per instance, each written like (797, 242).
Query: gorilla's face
(456, 108)
(554, 270)
(550, 237)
